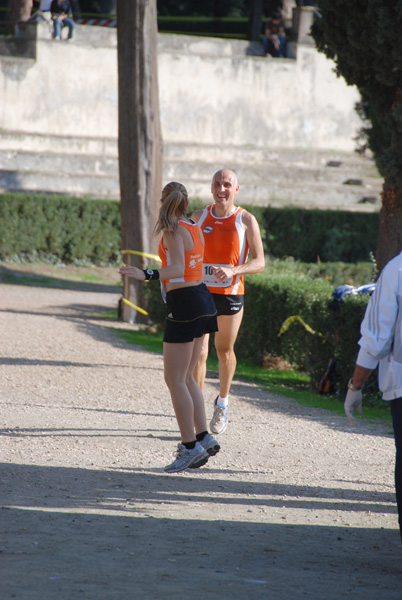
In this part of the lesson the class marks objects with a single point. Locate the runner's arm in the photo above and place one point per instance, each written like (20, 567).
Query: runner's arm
(257, 262)
(254, 240)
(175, 246)
(197, 215)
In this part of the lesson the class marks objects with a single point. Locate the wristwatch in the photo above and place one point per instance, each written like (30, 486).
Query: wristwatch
(352, 387)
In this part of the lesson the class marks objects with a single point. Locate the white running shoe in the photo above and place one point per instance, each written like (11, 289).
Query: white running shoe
(219, 420)
(185, 458)
(210, 444)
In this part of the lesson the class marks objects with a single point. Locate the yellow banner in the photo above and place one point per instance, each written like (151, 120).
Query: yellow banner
(146, 254)
(297, 318)
(141, 310)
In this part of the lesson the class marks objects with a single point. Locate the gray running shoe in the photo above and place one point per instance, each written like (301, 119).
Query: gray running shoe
(185, 458)
(210, 444)
(219, 420)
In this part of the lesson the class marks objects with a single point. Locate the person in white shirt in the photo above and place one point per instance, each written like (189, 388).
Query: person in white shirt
(43, 13)
(381, 344)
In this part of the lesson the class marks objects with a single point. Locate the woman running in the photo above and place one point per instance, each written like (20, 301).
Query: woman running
(190, 313)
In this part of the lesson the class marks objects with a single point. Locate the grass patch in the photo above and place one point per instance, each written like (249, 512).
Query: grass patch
(109, 315)
(291, 384)
(153, 342)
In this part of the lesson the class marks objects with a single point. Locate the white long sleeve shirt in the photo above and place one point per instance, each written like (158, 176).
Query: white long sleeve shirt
(381, 331)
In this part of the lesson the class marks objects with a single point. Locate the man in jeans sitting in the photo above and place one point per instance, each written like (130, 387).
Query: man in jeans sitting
(62, 15)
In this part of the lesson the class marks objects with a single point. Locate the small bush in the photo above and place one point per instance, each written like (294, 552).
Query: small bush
(273, 297)
(70, 230)
(313, 236)
(326, 235)
(74, 230)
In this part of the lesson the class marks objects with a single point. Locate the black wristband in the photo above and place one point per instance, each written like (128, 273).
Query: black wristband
(151, 274)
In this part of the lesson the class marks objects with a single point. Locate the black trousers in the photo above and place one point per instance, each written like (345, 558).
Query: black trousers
(396, 412)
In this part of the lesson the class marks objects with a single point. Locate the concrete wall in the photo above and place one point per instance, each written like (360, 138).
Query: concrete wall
(69, 88)
(211, 92)
(213, 96)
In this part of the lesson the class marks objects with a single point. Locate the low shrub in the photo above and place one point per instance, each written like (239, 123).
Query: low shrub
(314, 235)
(271, 298)
(72, 230)
(326, 235)
(65, 229)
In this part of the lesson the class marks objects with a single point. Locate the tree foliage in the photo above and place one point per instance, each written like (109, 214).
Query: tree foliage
(363, 38)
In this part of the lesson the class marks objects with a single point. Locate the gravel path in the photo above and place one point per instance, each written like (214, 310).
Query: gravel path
(296, 504)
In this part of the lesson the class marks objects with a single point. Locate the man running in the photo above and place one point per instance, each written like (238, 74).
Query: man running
(230, 233)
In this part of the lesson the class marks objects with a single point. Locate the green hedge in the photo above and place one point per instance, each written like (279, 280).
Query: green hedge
(68, 229)
(73, 229)
(325, 234)
(311, 235)
(270, 299)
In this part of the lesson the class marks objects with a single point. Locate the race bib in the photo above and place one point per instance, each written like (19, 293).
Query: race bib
(210, 279)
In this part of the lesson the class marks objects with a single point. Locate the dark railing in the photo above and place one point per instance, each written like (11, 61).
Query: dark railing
(225, 27)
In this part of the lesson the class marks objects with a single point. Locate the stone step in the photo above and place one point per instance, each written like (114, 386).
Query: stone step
(39, 143)
(291, 179)
(256, 155)
(272, 171)
(96, 186)
(274, 176)
(187, 153)
(314, 195)
(52, 162)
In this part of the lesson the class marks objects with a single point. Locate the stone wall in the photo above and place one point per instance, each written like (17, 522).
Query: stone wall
(211, 92)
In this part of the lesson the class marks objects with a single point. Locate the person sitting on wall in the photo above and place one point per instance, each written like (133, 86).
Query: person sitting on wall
(275, 40)
(43, 13)
(62, 15)
(45, 5)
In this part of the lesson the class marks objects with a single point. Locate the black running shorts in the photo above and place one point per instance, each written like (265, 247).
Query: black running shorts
(227, 304)
(190, 312)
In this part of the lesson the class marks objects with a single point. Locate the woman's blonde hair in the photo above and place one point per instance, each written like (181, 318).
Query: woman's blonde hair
(174, 206)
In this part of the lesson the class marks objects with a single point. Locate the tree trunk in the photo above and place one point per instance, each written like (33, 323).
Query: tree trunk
(255, 22)
(389, 241)
(20, 11)
(140, 141)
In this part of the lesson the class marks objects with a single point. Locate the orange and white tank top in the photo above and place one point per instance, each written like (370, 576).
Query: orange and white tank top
(193, 259)
(226, 246)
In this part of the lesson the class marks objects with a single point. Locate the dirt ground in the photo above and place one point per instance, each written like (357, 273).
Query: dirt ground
(296, 505)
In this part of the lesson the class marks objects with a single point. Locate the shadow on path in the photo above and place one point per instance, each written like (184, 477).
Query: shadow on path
(71, 533)
(21, 277)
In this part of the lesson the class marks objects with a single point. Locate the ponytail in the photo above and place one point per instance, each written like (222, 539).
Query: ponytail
(173, 208)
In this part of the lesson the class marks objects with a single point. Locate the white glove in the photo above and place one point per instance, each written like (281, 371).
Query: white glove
(353, 400)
